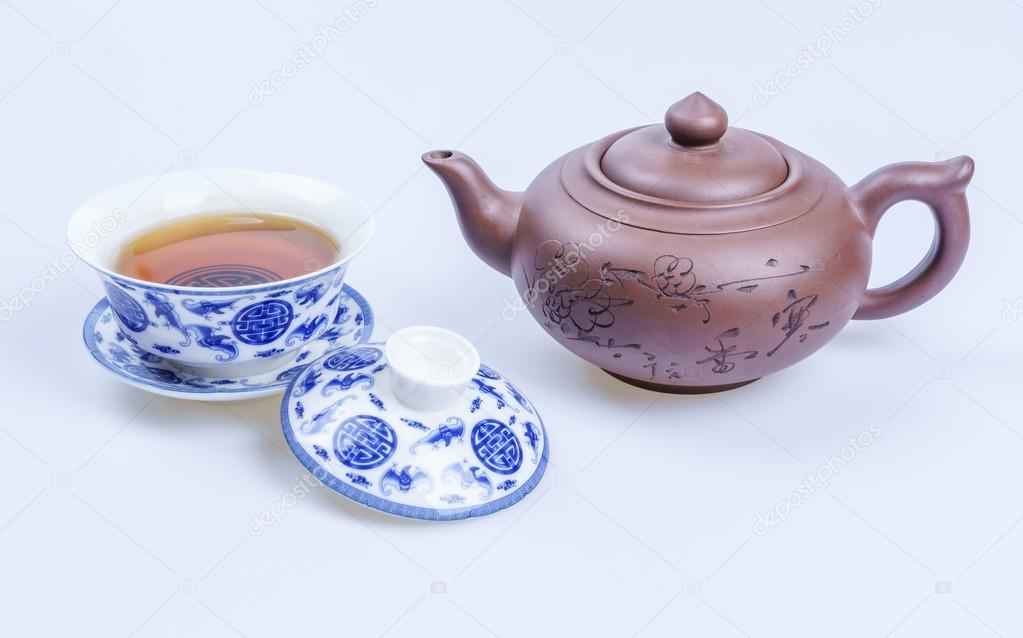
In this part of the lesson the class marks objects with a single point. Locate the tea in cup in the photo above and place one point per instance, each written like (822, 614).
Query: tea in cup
(222, 272)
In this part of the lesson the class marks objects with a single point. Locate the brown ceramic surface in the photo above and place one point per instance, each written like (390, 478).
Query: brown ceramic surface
(692, 257)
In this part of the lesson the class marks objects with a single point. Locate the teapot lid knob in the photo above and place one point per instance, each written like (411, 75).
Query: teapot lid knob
(696, 120)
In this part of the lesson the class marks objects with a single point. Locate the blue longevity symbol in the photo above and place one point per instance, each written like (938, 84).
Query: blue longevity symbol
(364, 441)
(353, 358)
(224, 275)
(262, 322)
(128, 310)
(496, 446)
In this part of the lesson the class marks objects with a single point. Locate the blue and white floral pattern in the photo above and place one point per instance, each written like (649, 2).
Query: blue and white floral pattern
(210, 326)
(481, 455)
(118, 350)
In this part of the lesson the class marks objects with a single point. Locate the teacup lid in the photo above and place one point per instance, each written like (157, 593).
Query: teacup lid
(694, 157)
(416, 427)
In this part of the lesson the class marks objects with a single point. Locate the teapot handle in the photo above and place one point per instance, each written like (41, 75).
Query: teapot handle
(941, 186)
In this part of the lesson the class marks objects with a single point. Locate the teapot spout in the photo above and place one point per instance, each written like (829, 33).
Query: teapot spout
(487, 214)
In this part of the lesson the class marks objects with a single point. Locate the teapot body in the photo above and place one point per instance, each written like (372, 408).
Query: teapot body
(696, 257)
(684, 312)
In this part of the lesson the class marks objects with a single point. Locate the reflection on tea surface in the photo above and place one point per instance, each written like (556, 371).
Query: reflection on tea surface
(227, 249)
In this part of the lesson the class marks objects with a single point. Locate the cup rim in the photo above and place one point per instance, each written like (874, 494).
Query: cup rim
(369, 224)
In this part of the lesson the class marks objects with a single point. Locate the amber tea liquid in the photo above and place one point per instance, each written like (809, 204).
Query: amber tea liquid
(227, 249)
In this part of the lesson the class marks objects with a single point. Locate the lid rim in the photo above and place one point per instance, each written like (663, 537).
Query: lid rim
(391, 508)
(584, 181)
(594, 166)
(645, 162)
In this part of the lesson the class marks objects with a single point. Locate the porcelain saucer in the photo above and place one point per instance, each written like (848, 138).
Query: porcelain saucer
(112, 349)
(374, 423)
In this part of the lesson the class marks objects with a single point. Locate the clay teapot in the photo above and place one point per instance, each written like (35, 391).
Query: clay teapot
(697, 257)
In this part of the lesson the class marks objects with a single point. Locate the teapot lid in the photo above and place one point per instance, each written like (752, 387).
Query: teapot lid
(693, 175)
(694, 157)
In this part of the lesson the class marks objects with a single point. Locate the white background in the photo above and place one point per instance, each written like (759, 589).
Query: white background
(122, 514)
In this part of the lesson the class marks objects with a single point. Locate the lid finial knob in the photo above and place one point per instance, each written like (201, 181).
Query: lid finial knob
(430, 367)
(696, 120)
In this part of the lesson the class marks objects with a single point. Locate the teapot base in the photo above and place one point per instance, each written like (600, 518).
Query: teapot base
(680, 389)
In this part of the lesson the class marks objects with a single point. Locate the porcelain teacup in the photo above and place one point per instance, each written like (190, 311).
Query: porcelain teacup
(223, 331)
